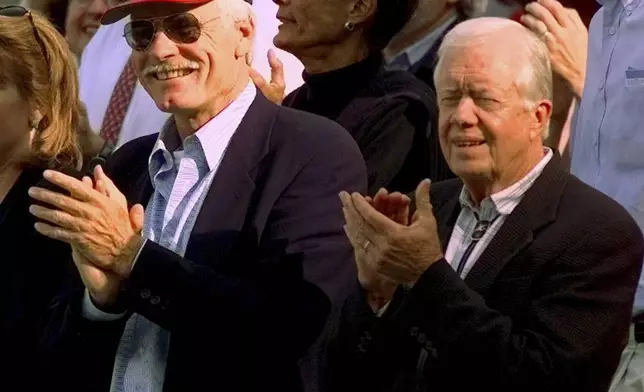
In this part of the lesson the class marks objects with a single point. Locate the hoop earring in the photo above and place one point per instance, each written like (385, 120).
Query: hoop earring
(349, 26)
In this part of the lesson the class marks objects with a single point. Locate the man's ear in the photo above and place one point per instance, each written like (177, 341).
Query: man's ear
(362, 11)
(541, 113)
(246, 38)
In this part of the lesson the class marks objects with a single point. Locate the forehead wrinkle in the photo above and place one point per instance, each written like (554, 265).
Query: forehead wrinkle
(473, 69)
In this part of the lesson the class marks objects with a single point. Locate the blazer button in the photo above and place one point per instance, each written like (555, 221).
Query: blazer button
(421, 338)
(155, 300)
(413, 331)
(145, 293)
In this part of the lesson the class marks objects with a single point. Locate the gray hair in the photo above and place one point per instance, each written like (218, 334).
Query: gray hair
(533, 78)
(473, 8)
(239, 11)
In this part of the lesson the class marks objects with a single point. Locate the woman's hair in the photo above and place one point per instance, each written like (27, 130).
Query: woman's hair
(47, 78)
(391, 16)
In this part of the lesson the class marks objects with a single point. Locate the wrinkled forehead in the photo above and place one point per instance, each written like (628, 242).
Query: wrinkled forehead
(478, 65)
(155, 10)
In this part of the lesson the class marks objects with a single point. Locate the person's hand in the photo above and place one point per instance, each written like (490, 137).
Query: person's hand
(103, 285)
(274, 90)
(394, 206)
(397, 252)
(380, 289)
(566, 37)
(98, 225)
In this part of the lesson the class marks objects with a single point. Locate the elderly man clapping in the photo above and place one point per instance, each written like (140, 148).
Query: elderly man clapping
(227, 278)
(516, 276)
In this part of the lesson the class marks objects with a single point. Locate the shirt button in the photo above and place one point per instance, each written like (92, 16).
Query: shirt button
(145, 293)
(601, 87)
(155, 300)
(612, 31)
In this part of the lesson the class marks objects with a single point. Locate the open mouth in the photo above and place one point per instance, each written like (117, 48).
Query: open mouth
(470, 144)
(172, 74)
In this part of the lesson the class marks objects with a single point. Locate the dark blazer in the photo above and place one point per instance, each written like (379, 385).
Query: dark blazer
(33, 268)
(545, 308)
(266, 261)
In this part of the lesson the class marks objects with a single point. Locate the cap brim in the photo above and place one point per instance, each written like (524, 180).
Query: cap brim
(119, 12)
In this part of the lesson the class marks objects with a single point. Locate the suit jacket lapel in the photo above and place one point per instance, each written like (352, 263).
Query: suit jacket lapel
(446, 218)
(228, 198)
(143, 189)
(538, 208)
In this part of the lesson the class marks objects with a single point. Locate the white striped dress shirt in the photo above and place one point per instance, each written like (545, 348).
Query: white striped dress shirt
(494, 208)
(181, 179)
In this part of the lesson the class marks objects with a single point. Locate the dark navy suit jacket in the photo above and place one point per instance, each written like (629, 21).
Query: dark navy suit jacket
(266, 262)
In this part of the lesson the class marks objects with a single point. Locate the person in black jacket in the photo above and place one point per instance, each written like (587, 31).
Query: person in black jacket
(391, 115)
(516, 276)
(226, 278)
(41, 119)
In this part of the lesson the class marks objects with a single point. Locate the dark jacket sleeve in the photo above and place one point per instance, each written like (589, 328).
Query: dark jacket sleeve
(570, 339)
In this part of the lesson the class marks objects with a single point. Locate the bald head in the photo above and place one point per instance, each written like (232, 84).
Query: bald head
(509, 44)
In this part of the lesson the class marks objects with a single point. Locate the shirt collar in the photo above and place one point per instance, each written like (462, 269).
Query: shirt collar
(209, 142)
(625, 3)
(419, 49)
(505, 201)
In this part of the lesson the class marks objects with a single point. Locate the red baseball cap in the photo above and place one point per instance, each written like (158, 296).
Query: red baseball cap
(124, 9)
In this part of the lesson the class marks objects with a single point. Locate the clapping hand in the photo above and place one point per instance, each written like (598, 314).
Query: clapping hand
(390, 250)
(95, 221)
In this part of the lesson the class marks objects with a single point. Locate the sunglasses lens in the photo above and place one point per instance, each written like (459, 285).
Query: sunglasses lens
(182, 28)
(13, 11)
(139, 34)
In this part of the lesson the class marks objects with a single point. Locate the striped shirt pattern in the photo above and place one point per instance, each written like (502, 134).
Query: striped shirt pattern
(494, 208)
(181, 179)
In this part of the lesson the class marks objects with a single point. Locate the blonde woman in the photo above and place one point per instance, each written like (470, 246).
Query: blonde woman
(41, 117)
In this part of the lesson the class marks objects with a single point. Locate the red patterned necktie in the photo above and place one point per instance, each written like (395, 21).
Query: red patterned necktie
(119, 102)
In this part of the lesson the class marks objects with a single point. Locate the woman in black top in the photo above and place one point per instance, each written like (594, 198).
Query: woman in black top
(390, 114)
(40, 118)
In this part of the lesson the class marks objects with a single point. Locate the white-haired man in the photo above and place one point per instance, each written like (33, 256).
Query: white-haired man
(226, 277)
(118, 107)
(516, 276)
(415, 47)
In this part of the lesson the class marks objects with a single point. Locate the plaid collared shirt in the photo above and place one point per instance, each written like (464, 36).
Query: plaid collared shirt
(495, 209)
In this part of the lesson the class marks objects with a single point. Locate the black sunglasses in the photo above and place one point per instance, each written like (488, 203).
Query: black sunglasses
(17, 11)
(183, 28)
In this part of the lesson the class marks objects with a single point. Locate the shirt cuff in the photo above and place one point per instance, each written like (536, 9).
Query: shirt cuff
(139, 252)
(92, 313)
